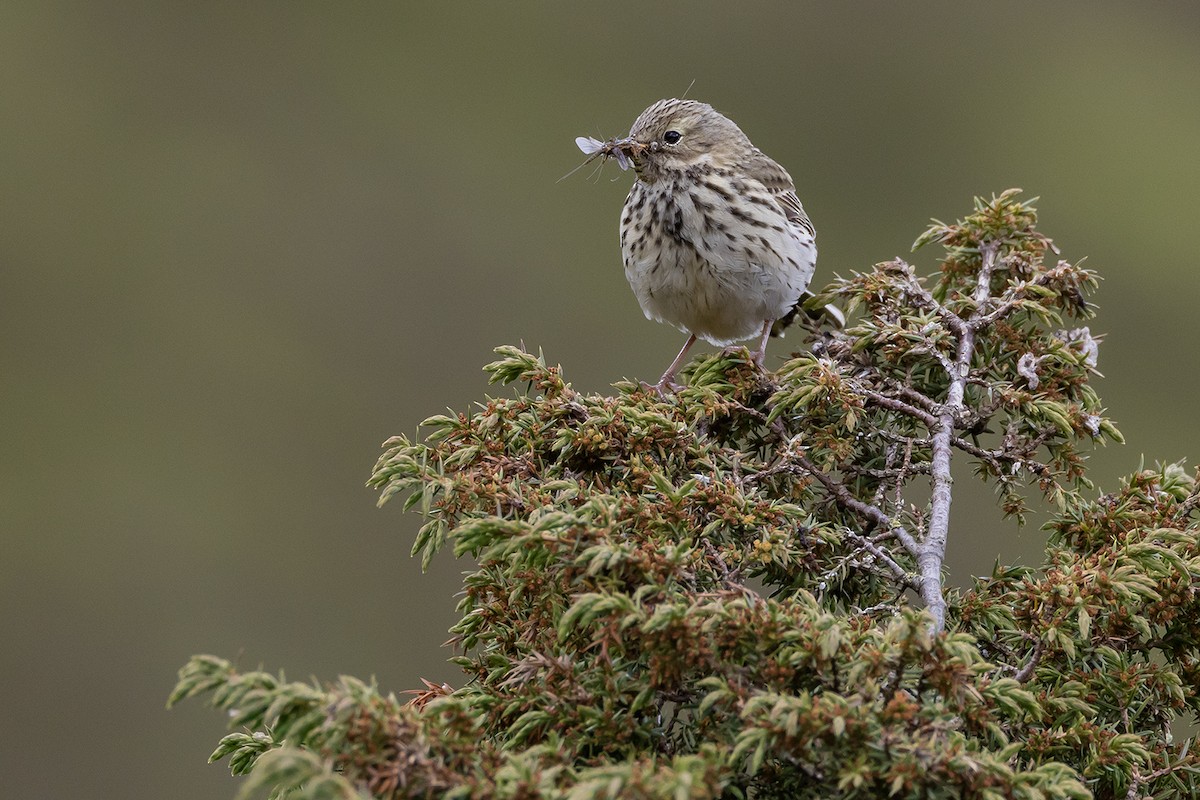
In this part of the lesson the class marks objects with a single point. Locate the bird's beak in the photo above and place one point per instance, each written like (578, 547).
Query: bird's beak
(626, 151)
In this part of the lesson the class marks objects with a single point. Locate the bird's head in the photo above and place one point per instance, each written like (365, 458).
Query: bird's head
(673, 135)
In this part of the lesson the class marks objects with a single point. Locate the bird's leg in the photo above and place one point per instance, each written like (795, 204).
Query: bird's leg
(759, 354)
(667, 381)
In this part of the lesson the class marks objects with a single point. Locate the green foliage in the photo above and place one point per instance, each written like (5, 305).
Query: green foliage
(736, 591)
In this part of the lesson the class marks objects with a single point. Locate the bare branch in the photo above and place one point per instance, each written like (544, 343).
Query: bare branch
(889, 473)
(899, 406)
(851, 503)
(901, 575)
(883, 475)
(933, 548)
(1000, 457)
(913, 396)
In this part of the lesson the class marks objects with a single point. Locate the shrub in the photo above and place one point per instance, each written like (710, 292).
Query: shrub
(738, 591)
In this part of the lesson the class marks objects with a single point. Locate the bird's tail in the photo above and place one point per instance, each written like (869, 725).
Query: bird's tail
(810, 317)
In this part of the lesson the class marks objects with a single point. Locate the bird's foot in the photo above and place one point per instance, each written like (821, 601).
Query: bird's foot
(666, 384)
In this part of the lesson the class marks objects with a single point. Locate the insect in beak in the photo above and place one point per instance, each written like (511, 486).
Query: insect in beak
(623, 150)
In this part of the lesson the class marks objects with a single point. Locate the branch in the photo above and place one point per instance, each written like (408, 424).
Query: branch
(914, 396)
(846, 500)
(933, 548)
(902, 576)
(999, 457)
(851, 503)
(1015, 295)
(924, 299)
(1026, 672)
(890, 473)
(899, 406)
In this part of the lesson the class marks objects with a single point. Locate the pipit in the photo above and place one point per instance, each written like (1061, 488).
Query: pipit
(714, 239)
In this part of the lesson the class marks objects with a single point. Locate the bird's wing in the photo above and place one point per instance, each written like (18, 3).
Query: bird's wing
(790, 204)
(780, 185)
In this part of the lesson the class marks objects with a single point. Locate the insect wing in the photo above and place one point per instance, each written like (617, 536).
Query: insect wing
(588, 145)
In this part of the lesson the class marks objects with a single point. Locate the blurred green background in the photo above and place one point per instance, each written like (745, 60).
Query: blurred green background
(242, 244)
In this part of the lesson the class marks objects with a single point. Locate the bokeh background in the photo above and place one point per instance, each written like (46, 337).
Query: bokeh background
(243, 243)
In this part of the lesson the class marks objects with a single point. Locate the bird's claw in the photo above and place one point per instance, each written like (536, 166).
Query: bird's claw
(661, 388)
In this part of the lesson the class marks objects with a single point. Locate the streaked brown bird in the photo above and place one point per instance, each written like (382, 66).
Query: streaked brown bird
(714, 239)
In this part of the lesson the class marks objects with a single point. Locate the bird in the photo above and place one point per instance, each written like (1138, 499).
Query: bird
(714, 239)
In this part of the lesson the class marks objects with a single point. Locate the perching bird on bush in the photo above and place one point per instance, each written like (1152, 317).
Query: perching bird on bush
(714, 239)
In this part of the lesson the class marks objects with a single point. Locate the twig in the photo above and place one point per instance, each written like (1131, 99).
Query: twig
(848, 501)
(882, 475)
(901, 575)
(907, 468)
(888, 605)
(913, 287)
(899, 406)
(997, 458)
(913, 396)
(1014, 295)
(1026, 671)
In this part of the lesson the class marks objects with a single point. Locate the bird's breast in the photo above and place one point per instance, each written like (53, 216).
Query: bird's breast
(712, 255)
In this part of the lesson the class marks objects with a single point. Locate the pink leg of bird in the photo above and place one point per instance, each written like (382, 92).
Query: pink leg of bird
(667, 381)
(761, 352)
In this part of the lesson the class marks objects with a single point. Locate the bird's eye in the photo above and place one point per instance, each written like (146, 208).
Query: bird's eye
(671, 137)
